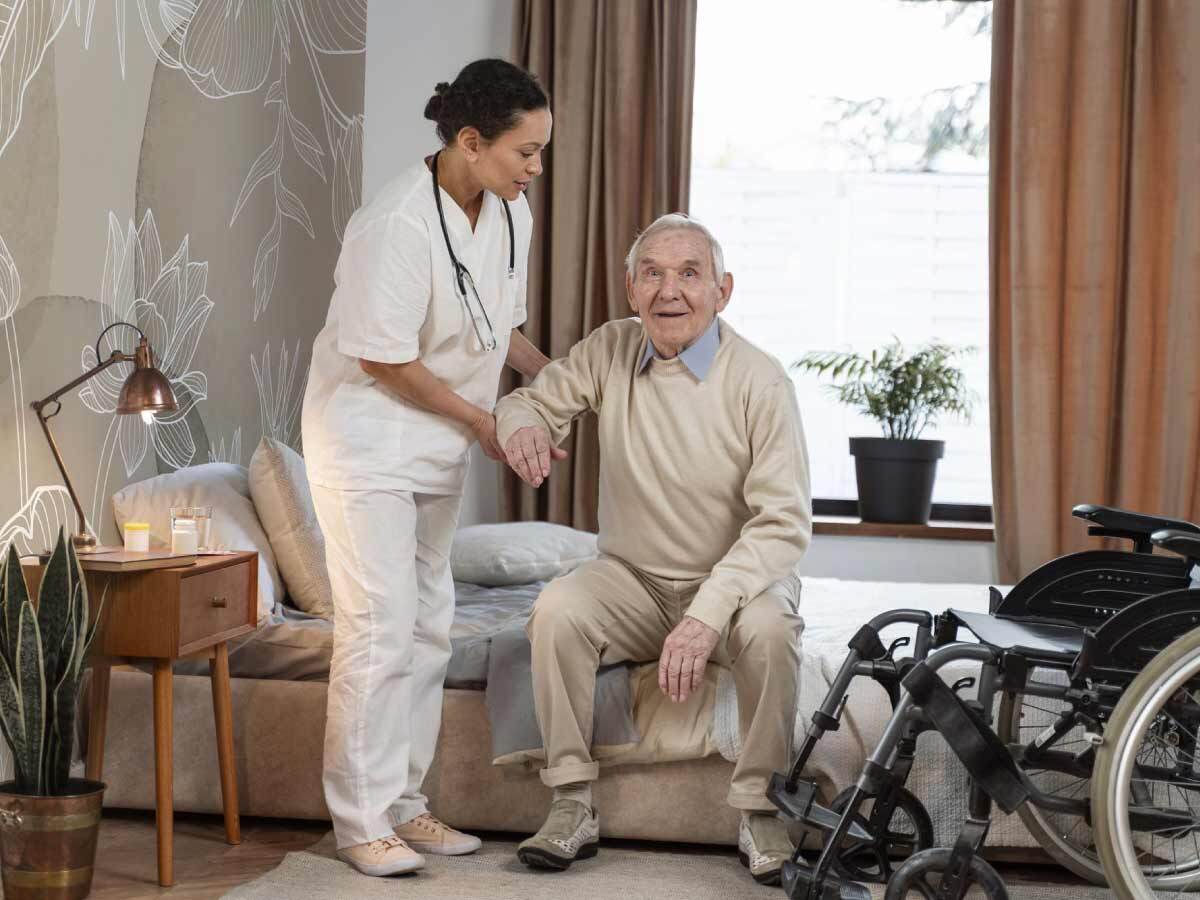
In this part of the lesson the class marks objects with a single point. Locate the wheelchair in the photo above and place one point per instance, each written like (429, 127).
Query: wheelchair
(1093, 741)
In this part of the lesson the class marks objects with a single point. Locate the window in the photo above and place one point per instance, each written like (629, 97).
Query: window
(840, 156)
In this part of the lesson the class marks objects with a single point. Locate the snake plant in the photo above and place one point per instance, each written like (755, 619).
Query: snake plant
(42, 650)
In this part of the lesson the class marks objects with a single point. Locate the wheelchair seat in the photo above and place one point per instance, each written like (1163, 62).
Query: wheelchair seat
(1037, 640)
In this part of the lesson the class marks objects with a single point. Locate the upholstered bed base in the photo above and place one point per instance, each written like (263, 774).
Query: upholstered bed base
(278, 731)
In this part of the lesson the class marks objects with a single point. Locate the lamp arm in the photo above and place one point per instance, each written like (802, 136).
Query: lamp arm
(83, 532)
(82, 538)
(117, 356)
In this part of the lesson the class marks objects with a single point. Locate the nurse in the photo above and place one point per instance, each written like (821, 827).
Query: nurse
(429, 292)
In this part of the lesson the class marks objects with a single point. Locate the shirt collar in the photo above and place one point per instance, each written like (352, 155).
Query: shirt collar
(698, 357)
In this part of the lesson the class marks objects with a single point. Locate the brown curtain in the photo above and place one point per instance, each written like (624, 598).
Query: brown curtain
(620, 77)
(1095, 267)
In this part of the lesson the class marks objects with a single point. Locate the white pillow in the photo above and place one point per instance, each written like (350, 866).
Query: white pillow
(518, 552)
(282, 497)
(235, 526)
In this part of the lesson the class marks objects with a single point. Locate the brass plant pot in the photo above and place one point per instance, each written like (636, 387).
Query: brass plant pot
(48, 844)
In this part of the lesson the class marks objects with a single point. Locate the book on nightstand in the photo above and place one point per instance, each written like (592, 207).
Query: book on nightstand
(117, 559)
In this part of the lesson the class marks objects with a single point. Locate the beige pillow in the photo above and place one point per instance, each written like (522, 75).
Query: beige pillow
(279, 486)
(235, 526)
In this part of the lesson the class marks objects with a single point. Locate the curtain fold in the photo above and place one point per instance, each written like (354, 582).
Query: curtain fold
(1095, 267)
(620, 77)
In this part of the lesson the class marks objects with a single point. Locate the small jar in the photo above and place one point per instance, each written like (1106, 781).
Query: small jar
(184, 537)
(137, 537)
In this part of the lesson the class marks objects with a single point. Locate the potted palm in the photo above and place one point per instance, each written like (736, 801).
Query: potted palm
(905, 392)
(49, 822)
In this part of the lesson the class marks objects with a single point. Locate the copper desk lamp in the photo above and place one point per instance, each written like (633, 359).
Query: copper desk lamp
(146, 391)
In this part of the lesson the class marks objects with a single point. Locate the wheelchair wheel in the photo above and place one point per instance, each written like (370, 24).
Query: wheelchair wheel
(921, 875)
(909, 831)
(1067, 839)
(1146, 779)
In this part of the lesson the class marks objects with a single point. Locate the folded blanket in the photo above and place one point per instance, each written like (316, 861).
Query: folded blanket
(510, 707)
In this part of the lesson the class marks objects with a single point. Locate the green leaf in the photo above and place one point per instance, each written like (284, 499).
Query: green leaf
(13, 723)
(31, 679)
(54, 609)
(15, 592)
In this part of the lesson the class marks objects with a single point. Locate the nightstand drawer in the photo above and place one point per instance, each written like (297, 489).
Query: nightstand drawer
(214, 602)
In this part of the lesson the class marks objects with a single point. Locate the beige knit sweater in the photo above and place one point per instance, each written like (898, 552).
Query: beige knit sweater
(698, 479)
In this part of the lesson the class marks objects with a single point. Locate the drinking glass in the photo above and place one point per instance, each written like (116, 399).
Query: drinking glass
(202, 516)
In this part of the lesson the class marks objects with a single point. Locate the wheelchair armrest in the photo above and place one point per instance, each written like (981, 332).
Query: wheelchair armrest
(1184, 543)
(1128, 522)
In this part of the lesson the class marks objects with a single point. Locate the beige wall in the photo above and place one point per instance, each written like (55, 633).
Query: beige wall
(119, 183)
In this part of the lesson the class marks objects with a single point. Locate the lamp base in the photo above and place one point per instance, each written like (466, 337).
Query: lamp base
(84, 543)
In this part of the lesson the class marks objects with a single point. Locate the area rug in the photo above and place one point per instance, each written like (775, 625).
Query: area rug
(494, 873)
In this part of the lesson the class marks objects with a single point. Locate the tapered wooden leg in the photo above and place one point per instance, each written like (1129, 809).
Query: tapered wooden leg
(98, 720)
(218, 668)
(163, 769)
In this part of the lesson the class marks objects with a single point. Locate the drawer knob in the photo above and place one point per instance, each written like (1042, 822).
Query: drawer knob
(219, 602)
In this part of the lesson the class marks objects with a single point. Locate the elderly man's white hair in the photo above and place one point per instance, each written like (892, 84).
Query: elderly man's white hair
(676, 222)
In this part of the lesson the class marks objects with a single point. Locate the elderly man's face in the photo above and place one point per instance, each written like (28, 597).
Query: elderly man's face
(674, 289)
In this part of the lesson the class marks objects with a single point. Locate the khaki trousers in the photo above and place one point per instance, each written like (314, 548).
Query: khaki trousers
(606, 612)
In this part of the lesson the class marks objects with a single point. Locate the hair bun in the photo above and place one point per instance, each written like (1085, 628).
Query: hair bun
(433, 108)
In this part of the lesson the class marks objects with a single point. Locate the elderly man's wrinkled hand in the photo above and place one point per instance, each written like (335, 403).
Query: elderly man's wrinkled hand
(529, 453)
(685, 653)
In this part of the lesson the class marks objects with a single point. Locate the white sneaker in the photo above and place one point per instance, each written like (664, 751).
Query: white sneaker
(426, 834)
(385, 856)
(764, 846)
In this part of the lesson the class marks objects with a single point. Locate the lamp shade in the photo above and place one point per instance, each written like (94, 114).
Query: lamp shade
(146, 389)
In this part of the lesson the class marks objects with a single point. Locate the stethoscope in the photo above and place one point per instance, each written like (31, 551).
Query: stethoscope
(462, 274)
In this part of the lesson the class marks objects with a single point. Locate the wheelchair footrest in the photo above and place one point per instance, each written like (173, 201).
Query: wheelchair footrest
(800, 804)
(797, 882)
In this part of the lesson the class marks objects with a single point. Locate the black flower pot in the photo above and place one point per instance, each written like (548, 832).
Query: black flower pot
(895, 478)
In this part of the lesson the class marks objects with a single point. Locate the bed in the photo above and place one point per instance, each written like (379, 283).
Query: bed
(284, 665)
(679, 751)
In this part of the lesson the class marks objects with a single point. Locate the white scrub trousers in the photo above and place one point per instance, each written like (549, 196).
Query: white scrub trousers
(388, 554)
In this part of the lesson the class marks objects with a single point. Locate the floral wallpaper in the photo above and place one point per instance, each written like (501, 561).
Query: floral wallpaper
(187, 166)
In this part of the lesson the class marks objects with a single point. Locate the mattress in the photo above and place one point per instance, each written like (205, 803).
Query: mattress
(291, 645)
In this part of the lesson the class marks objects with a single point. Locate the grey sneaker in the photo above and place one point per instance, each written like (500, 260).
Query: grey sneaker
(763, 846)
(571, 832)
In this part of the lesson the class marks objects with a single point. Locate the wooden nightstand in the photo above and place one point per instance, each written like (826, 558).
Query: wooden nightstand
(162, 615)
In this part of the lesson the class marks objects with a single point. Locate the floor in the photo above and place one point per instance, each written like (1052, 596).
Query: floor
(206, 867)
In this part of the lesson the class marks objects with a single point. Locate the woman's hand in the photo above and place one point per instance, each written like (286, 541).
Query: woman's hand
(484, 429)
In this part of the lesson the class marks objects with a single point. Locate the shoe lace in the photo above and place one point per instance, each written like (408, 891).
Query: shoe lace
(384, 844)
(430, 823)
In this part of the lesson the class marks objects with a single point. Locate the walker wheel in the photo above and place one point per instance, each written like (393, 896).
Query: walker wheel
(920, 876)
(909, 831)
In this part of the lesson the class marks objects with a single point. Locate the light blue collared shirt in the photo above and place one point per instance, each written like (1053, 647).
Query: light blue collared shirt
(698, 358)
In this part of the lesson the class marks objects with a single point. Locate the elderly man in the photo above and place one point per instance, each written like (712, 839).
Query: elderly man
(704, 512)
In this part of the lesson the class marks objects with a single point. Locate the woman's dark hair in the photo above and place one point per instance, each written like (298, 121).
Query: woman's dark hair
(488, 95)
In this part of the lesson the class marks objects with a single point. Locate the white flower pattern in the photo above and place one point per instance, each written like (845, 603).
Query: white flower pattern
(168, 301)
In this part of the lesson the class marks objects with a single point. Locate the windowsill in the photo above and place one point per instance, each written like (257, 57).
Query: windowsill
(846, 526)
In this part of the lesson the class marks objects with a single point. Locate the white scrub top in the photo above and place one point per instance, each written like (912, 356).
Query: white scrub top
(396, 300)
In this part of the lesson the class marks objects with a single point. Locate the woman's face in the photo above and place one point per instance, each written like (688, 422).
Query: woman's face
(505, 166)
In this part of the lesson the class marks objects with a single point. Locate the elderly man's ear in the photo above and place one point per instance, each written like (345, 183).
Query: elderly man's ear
(726, 291)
